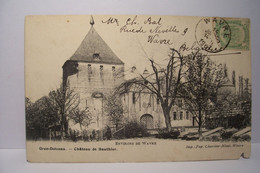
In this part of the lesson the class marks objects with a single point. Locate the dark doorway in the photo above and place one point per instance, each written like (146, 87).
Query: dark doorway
(147, 121)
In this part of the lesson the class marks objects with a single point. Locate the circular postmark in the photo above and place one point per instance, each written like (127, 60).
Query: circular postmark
(213, 34)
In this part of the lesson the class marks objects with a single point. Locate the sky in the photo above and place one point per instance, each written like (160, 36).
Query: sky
(51, 40)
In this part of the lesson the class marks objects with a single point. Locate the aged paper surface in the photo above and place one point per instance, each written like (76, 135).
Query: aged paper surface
(137, 88)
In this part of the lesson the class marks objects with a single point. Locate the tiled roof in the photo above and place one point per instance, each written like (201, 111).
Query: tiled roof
(94, 49)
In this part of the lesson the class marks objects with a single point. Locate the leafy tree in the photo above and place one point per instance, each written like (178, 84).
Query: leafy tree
(51, 110)
(245, 100)
(113, 108)
(29, 113)
(81, 117)
(203, 80)
(39, 117)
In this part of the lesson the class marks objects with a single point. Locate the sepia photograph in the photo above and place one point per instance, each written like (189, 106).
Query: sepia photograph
(137, 88)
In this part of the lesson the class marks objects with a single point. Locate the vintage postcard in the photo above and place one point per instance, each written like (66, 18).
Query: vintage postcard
(137, 88)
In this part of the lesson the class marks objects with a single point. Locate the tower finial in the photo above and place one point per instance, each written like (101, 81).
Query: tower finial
(92, 21)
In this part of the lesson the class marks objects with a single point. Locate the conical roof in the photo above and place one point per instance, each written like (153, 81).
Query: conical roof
(94, 49)
(228, 83)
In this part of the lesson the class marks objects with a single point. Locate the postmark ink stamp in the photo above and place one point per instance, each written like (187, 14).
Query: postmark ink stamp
(213, 34)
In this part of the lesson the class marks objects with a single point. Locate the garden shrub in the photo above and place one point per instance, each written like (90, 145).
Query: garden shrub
(134, 129)
(226, 135)
(246, 138)
(215, 138)
(163, 133)
(242, 138)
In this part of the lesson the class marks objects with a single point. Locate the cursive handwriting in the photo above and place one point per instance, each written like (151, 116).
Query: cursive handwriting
(153, 26)
(158, 30)
(111, 20)
(153, 22)
(131, 21)
(133, 30)
(193, 47)
(156, 39)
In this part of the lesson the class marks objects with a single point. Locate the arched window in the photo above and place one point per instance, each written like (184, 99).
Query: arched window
(181, 115)
(187, 115)
(174, 116)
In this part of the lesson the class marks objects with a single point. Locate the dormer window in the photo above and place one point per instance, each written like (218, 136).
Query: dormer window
(96, 56)
(133, 69)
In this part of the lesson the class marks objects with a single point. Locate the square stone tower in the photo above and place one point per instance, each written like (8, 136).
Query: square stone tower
(92, 71)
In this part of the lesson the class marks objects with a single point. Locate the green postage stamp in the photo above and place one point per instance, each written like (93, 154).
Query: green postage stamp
(240, 37)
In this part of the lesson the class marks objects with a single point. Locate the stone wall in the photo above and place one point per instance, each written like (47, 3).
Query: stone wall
(91, 82)
(138, 104)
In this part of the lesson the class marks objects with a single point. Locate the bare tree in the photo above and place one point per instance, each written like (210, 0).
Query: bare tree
(164, 82)
(64, 101)
(203, 80)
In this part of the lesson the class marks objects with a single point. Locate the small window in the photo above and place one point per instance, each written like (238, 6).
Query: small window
(134, 98)
(89, 69)
(181, 115)
(187, 115)
(114, 71)
(102, 74)
(174, 116)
